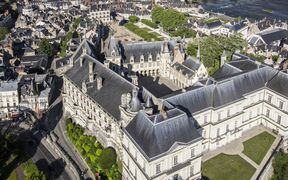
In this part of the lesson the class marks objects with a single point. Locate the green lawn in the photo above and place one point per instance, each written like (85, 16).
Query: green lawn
(227, 167)
(143, 32)
(257, 147)
(12, 176)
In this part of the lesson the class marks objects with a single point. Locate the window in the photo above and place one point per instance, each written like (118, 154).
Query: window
(250, 114)
(258, 111)
(158, 170)
(218, 131)
(144, 167)
(128, 163)
(219, 116)
(269, 98)
(267, 112)
(205, 119)
(228, 113)
(281, 104)
(236, 124)
(279, 119)
(175, 160)
(136, 173)
(192, 153)
(191, 170)
(227, 127)
(204, 134)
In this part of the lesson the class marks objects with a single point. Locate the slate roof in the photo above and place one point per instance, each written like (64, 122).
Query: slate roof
(185, 70)
(155, 135)
(143, 48)
(39, 60)
(213, 25)
(274, 35)
(224, 91)
(109, 96)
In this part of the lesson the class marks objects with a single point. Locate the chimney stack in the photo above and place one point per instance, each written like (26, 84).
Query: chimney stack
(134, 79)
(91, 74)
(99, 82)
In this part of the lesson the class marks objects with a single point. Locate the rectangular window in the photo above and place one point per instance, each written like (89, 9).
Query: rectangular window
(279, 119)
(227, 127)
(136, 173)
(158, 170)
(218, 132)
(269, 98)
(281, 104)
(236, 122)
(175, 160)
(258, 111)
(228, 113)
(250, 114)
(204, 134)
(191, 170)
(205, 119)
(219, 116)
(268, 112)
(192, 153)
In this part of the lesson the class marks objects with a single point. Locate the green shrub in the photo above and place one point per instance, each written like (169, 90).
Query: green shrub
(133, 19)
(107, 158)
(149, 23)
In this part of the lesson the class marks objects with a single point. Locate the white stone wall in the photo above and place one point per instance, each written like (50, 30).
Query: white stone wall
(136, 165)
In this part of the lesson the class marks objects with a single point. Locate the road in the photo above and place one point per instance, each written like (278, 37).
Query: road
(54, 122)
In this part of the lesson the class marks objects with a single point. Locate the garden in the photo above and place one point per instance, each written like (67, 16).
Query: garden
(227, 167)
(257, 147)
(102, 161)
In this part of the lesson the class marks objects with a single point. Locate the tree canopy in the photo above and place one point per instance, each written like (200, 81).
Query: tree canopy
(32, 172)
(172, 21)
(280, 166)
(46, 47)
(169, 19)
(133, 19)
(211, 49)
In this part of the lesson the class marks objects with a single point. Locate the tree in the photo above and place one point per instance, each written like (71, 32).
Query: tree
(32, 172)
(3, 32)
(280, 166)
(46, 47)
(133, 19)
(211, 49)
(157, 13)
(107, 158)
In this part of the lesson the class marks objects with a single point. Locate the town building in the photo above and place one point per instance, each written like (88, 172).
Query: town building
(9, 100)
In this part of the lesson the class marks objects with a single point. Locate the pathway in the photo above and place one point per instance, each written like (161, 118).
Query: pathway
(236, 148)
(19, 173)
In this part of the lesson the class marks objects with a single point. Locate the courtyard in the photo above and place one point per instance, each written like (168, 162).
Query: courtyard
(241, 159)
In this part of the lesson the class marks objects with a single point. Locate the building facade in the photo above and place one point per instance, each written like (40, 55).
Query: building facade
(164, 138)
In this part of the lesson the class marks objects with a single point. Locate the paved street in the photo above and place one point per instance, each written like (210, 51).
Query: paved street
(54, 122)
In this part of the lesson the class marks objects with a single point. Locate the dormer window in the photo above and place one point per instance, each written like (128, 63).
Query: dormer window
(132, 59)
(142, 58)
(150, 58)
(158, 57)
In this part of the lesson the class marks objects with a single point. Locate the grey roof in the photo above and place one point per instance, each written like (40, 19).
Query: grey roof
(143, 48)
(244, 65)
(191, 63)
(185, 70)
(222, 92)
(109, 96)
(155, 135)
(8, 86)
(274, 35)
(213, 25)
(62, 61)
(35, 61)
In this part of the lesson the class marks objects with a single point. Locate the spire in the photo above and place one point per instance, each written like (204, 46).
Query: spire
(198, 57)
